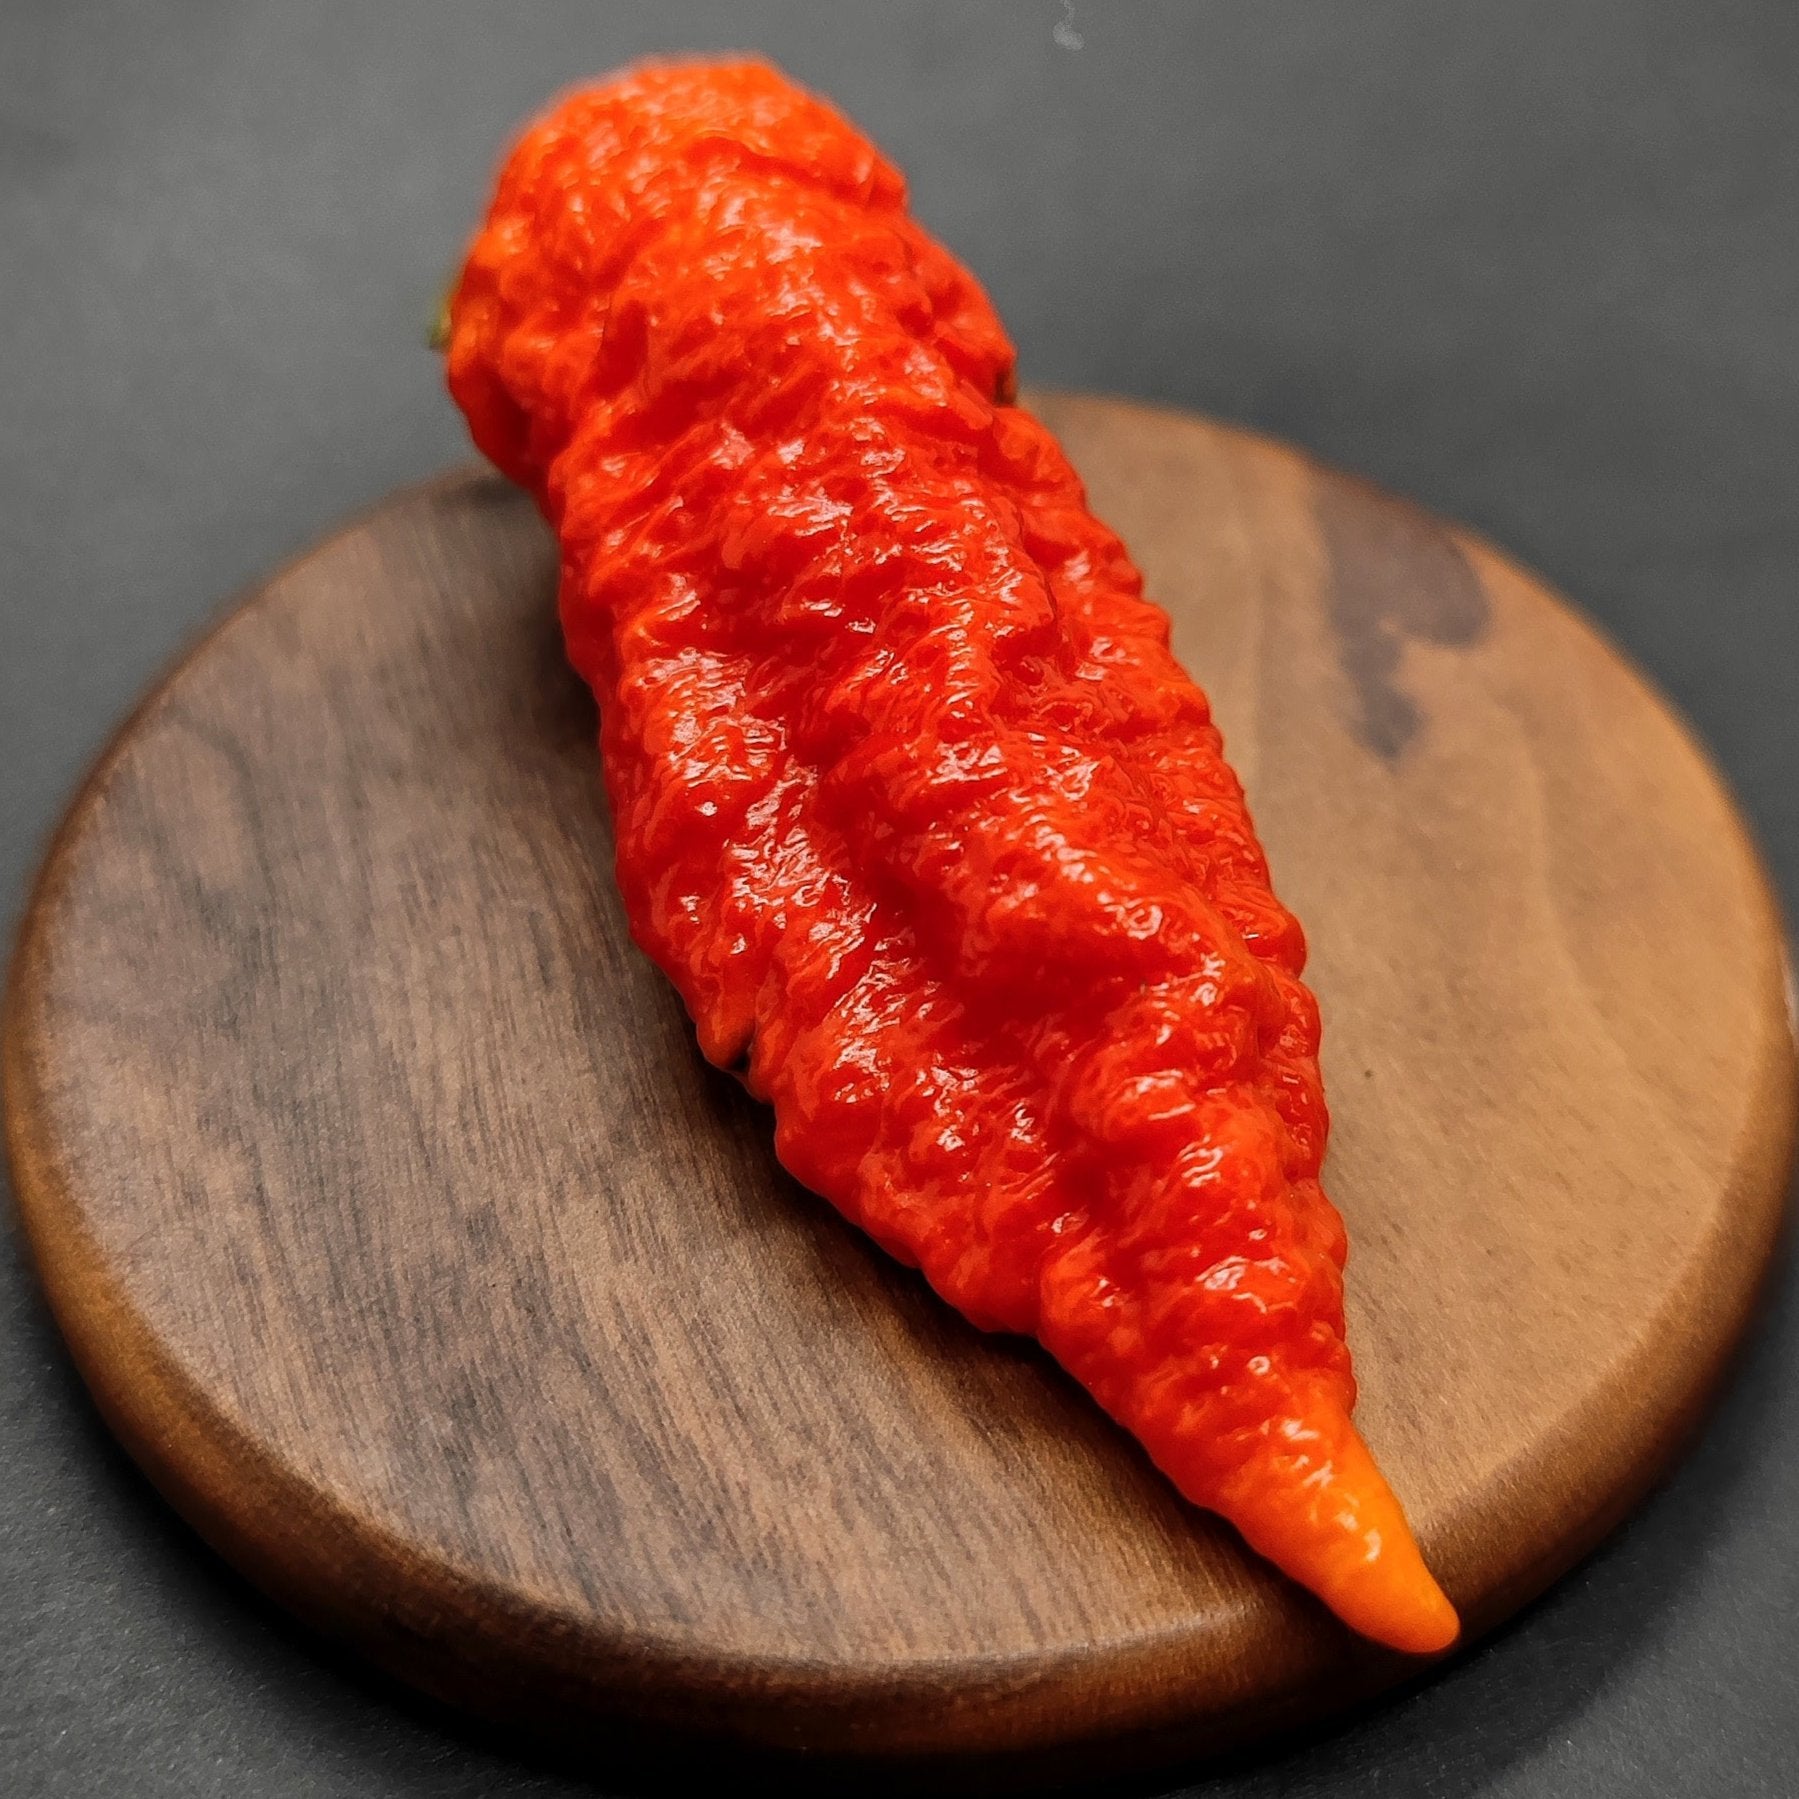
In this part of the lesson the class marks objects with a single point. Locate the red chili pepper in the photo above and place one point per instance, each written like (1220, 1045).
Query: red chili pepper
(913, 803)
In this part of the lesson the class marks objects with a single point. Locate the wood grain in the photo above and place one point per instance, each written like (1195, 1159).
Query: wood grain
(404, 1239)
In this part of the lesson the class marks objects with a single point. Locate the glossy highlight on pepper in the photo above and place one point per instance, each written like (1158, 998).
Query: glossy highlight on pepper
(913, 803)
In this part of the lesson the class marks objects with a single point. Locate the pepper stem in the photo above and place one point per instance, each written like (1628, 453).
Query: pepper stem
(437, 332)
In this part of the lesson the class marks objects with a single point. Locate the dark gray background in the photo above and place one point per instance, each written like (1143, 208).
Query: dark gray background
(1534, 262)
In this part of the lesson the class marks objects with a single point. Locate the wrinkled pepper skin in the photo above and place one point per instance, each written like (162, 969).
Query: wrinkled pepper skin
(913, 803)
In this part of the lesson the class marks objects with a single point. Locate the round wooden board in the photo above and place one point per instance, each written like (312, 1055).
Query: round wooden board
(405, 1240)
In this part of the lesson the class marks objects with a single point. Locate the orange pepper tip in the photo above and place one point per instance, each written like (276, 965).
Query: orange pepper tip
(1336, 1527)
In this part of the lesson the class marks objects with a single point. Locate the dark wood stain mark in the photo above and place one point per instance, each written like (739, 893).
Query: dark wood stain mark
(1397, 575)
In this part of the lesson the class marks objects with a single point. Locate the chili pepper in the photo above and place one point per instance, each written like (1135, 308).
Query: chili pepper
(912, 801)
